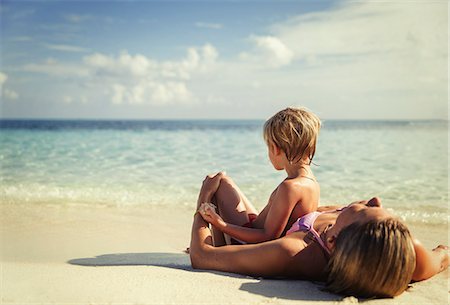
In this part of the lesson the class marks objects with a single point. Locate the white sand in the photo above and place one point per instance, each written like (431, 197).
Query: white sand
(105, 255)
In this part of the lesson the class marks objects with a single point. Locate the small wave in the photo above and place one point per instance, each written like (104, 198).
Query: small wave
(117, 196)
(422, 216)
(176, 195)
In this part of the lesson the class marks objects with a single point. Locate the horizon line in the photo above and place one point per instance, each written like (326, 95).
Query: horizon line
(215, 119)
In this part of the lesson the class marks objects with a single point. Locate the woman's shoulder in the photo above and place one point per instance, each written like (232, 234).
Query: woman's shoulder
(308, 261)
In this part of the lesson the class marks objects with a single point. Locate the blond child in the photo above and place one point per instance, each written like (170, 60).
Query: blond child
(291, 137)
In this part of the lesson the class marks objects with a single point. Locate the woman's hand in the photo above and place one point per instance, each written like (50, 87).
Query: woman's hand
(429, 263)
(209, 187)
(444, 251)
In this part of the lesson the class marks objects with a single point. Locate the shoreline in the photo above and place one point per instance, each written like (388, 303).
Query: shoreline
(73, 254)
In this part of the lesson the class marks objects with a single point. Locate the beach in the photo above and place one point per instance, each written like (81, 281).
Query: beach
(112, 113)
(75, 254)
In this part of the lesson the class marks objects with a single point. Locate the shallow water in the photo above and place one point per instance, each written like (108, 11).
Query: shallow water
(164, 162)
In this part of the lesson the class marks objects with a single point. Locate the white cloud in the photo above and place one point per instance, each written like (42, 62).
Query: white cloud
(67, 99)
(209, 54)
(208, 25)
(55, 68)
(3, 78)
(66, 48)
(382, 59)
(150, 92)
(10, 94)
(124, 65)
(359, 60)
(134, 79)
(274, 52)
(137, 79)
(197, 60)
(169, 91)
(119, 92)
(5, 92)
(366, 28)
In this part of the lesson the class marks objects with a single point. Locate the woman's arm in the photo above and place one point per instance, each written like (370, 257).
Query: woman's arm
(429, 263)
(284, 257)
(257, 260)
(268, 259)
(201, 241)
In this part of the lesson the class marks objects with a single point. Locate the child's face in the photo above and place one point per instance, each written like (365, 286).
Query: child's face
(274, 156)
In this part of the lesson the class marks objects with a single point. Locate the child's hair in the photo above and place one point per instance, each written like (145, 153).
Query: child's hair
(295, 131)
(374, 259)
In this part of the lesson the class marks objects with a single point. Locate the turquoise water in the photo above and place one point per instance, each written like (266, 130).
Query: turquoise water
(163, 163)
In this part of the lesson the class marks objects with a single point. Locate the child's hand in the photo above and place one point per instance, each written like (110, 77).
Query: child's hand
(208, 212)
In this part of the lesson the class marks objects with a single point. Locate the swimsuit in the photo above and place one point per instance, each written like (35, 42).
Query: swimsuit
(251, 219)
(249, 224)
(306, 224)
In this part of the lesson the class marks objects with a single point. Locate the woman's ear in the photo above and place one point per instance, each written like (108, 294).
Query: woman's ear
(331, 242)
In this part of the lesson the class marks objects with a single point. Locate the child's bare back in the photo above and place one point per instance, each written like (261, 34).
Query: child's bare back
(291, 137)
(305, 194)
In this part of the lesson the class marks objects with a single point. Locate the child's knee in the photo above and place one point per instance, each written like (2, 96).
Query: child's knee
(226, 181)
(226, 187)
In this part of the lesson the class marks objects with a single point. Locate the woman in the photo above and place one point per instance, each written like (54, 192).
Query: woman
(359, 250)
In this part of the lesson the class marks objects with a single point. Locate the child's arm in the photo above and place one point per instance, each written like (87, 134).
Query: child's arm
(429, 263)
(283, 202)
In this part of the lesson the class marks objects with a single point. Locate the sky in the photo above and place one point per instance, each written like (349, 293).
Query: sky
(223, 59)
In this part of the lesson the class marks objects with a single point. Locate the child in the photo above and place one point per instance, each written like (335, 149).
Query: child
(291, 137)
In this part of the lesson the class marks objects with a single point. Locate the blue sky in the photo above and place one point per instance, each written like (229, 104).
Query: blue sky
(223, 59)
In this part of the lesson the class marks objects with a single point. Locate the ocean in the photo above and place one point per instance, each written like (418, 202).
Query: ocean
(141, 163)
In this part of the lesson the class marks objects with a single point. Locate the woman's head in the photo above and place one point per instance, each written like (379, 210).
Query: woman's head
(295, 132)
(375, 258)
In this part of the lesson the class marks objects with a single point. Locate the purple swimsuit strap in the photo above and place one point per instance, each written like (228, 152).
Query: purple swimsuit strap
(320, 241)
(316, 234)
(306, 224)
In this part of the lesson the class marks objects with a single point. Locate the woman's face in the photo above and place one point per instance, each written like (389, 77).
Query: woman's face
(360, 211)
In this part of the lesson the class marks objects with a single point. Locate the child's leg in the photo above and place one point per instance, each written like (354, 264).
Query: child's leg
(233, 207)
